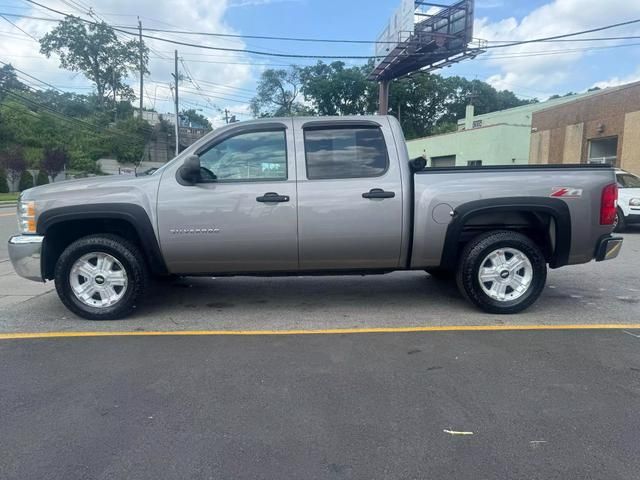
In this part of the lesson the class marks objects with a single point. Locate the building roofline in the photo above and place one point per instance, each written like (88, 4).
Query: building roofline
(502, 124)
(595, 93)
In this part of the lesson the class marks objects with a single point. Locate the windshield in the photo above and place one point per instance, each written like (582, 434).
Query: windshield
(626, 180)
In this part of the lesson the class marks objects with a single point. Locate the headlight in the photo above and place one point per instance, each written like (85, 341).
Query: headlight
(634, 202)
(27, 216)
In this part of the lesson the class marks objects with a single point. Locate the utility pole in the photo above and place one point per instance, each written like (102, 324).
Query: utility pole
(383, 97)
(226, 116)
(141, 66)
(175, 77)
(115, 104)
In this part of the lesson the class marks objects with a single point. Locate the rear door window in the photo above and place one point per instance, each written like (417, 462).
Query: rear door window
(353, 152)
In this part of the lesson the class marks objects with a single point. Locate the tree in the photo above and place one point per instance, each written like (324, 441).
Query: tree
(129, 139)
(334, 89)
(95, 50)
(54, 161)
(277, 94)
(4, 185)
(42, 178)
(9, 80)
(196, 118)
(26, 181)
(14, 163)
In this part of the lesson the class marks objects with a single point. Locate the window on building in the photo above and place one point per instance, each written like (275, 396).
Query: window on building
(474, 163)
(603, 150)
(345, 153)
(443, 161)
(248, 157)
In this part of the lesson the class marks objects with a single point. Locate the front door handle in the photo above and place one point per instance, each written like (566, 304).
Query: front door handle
(378, 193)
(272, 197)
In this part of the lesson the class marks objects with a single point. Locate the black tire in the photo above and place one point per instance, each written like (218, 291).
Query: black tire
(474, 254)
(620, 224)
(441, 273)
(125, 252)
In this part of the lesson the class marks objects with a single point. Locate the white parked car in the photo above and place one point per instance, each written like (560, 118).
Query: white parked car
(628, 200)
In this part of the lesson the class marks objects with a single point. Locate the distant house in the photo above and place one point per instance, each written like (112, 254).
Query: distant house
(603, 127)
(496, 138)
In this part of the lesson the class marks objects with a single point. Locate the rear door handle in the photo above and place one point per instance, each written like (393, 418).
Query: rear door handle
(378, 193)
(272, 197)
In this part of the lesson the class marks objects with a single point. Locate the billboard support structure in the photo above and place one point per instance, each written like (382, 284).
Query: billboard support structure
(423, 36)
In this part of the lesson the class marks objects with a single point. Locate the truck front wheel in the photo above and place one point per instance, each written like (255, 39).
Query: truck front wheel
(101, 277)
(502, 272)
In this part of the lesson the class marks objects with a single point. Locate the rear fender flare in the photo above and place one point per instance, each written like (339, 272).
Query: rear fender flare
(554, 207)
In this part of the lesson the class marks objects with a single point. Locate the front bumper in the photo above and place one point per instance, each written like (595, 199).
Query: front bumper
(25, 252)
(608, 248)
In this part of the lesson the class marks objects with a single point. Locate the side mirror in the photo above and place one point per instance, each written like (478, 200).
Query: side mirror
(190, 170)
(417, 164)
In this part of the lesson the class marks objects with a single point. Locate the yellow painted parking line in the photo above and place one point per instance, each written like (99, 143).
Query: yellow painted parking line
(329, 331)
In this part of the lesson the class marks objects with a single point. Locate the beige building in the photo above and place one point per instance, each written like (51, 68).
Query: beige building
(603, 127)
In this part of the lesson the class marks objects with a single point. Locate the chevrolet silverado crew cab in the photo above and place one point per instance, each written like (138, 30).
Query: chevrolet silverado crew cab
(309, 196)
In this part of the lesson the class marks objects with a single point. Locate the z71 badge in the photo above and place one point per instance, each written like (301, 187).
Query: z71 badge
(566, 192)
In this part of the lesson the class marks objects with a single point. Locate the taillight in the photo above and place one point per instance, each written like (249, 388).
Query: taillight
(608, 204)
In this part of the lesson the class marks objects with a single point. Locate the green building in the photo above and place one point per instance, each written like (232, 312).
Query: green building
(497, 138)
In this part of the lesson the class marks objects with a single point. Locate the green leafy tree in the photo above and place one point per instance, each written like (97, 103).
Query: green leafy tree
(196, 118)
(96, 51)
(129, 139)
(277, 94)
(26, 181)
(42, 178)
(334, 89)
(9, 80)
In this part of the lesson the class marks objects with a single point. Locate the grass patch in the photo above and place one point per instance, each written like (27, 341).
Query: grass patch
(6, 197)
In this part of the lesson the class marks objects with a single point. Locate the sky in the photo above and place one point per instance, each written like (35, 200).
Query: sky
(216, 80)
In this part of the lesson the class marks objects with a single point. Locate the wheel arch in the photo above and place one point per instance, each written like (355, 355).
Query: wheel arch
(63, 225)
(547, 220)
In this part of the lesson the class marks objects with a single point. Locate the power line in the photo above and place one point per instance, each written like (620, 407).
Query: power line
(556, 37)
(23, 31)
(71, 120)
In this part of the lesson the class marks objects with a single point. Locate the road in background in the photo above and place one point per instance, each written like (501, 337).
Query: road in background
(8, 227)
(537, 405)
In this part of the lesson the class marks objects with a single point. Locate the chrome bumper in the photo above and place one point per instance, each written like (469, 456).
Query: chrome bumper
(608, 248)
(25, 252)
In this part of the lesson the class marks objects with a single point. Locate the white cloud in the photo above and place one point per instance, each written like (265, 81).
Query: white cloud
(616, 81)
(230, 71)
(542, 68)
(253, 3)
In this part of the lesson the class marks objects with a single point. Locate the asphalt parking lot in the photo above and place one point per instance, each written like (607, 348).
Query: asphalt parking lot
(236, 387)
(606, 292)
(481, 405)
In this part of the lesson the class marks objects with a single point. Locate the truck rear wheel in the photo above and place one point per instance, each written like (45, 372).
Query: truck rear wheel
(501, 272)
(101, 277)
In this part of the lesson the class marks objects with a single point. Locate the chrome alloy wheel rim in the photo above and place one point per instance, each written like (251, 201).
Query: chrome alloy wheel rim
(98, 279)
(505, 274)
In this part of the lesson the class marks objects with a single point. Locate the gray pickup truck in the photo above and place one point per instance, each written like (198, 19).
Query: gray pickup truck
(309, 196)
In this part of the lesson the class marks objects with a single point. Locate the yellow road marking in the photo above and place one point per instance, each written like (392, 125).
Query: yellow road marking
(329, 331)
(7, 214)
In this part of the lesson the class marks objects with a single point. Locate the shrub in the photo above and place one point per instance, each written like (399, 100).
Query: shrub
(26, 181)
(42, 178)
(4, 185)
